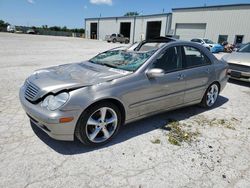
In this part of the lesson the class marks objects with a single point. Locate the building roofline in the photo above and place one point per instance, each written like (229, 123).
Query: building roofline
(213, 6)
(125, 17)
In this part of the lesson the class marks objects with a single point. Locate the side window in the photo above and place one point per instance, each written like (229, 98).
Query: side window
(170, 60)
(119, 35)
(194, 57)
(113, 35)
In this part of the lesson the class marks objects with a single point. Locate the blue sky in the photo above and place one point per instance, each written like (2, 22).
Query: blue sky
(71, 13)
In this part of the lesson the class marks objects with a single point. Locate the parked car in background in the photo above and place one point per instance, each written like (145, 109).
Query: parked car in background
(210, 45)
(11, 28)
(117, 38)
(238, 46)
(239, 63)
(31, 31)
(93, 99)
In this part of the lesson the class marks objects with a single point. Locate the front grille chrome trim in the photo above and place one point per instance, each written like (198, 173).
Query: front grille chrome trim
(238, 67)
(31, 91)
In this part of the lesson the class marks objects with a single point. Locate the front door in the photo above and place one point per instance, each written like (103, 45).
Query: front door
(160, 93)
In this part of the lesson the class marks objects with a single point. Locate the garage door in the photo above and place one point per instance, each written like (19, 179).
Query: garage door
(189, 31)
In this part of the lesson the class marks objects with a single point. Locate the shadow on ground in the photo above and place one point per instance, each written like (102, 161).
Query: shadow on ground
(126, 132)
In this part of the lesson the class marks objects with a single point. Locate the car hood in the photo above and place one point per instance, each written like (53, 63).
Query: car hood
(70, 76)
(238, 58)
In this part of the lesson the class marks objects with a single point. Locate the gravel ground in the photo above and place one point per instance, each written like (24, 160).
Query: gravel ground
(141, 155)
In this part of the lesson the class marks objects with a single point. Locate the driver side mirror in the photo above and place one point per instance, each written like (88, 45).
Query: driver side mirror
(155, 73)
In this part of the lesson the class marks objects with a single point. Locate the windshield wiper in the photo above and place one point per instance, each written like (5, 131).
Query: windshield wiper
(108, 65)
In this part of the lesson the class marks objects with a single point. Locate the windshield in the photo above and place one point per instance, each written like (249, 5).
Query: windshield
(245, 48)
(208, 41)
(120, 59)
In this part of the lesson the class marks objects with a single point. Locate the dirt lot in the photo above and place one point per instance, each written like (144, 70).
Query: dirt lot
(214, 153)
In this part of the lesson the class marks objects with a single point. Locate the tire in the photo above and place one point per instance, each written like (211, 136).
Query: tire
(126, 41)
(94, 135)
(211, 95)
(114, 40)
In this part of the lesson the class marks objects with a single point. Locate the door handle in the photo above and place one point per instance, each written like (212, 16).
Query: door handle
(180, 77)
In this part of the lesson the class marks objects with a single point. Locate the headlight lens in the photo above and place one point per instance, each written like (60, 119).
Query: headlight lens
(52, 102)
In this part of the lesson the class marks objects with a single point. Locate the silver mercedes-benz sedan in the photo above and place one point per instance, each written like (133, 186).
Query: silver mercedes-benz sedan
(239, 63)
(92, 100)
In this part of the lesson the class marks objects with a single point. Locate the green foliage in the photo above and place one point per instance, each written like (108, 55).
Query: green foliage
(45, 27)
(131, 14)
(156, 141)
(178, 134)
(3, 25)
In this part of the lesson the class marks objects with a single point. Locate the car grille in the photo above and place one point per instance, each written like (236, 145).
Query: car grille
(31, 91)
(241, 68)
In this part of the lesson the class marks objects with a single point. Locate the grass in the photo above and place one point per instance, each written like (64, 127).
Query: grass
(177, 134)
(229, 124)
(156, 141)
(181, 133)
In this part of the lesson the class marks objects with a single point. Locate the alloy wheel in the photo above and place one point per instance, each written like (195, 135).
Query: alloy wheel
(212, 94)
(101, 125)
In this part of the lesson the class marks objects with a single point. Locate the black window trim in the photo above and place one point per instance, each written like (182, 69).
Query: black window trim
(176, 70)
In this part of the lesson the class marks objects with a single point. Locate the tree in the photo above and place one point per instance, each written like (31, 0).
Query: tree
(55, 28)
(131, 14)
(45, 27)
(3, 24)
(64, 28)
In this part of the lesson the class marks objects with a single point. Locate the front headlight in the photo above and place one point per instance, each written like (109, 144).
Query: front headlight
(52, 102)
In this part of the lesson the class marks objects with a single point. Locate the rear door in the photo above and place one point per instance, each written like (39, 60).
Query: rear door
(198, 71)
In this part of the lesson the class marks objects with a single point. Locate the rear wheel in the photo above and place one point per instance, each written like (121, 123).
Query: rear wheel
(126, 41)
(210, 96)
(98, 124)
(114, 40)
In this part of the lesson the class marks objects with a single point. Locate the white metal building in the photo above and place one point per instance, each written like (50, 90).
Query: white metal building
(136, 28)
(219, 23)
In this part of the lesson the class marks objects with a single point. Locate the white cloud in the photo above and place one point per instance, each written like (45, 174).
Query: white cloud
(99, 2)
(31, 1)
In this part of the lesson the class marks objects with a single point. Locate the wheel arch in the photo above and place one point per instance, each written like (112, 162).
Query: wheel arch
(114, 101)
(216, 82)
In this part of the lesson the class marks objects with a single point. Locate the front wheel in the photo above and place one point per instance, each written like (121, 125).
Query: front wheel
(210, 96)
(98, 124)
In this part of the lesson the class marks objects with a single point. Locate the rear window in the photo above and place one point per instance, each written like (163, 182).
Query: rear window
(151, 46)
